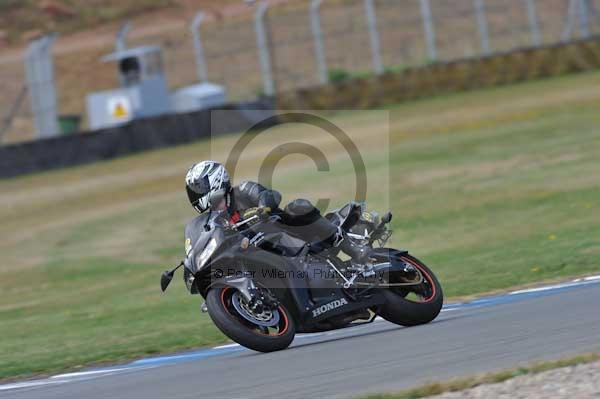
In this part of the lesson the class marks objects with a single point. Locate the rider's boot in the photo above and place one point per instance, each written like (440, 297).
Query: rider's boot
(358, 253)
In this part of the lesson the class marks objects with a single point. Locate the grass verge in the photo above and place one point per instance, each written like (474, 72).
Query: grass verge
(491, 378)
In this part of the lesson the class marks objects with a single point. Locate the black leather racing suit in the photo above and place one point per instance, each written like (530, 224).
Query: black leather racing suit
(299, 216)
(250, 195)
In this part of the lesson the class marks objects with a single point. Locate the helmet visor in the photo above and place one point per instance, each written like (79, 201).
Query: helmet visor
(199, 202)
(200, 186)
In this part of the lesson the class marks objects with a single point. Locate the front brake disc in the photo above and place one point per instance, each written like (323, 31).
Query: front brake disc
(267, 318)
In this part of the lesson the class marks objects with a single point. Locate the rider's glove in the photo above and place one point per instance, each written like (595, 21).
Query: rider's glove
(262, 212)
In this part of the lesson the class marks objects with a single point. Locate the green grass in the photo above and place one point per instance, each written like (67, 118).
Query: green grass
(93, 313)
(462, 384)
(493, 189)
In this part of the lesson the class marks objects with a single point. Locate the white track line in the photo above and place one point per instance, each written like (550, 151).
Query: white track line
(573, 283)
(92, 372)
(549, 288)
(29, 384)
(226, 346)
(70, 377)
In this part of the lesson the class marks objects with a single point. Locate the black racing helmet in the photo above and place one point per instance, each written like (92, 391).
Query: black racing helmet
(207, 183)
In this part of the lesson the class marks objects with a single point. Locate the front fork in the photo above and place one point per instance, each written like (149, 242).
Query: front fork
(253, 295)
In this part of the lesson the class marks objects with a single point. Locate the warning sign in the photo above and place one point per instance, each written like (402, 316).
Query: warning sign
(119, 109)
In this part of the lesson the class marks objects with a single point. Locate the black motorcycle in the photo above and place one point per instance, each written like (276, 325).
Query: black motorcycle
(263, 284)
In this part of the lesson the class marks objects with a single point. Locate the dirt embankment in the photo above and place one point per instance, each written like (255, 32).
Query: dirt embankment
(88, 24)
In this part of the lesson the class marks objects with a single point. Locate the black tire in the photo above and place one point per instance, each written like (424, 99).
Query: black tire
(240, 331)
(405, 312)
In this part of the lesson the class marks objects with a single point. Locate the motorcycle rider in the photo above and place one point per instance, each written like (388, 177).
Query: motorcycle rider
(209, 187)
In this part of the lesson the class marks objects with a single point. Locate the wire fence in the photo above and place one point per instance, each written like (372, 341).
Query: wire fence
(306, 43)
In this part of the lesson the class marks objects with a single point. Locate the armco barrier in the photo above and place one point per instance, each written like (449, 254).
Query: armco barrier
(139, 135)
(440, 78)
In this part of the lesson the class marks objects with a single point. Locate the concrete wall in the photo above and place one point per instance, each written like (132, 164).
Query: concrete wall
(136, 136)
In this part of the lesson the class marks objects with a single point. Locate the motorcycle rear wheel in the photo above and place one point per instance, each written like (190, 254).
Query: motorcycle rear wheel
(240, 328)
(401, 309)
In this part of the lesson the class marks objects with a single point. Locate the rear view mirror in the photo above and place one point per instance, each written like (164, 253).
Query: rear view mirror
(165, 279)
(387, 218)
(167, 276)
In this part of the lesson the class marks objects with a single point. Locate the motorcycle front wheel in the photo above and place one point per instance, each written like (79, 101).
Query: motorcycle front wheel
(267, 331)
(412, 306)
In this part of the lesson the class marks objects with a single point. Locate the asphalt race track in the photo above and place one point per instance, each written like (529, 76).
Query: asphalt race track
(485, 335)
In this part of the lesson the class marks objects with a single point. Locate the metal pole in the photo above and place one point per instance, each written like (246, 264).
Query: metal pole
(31, 66)
(533, 23)
(584, 20)
(39, 69)
(571, 11)
(121, 39)
(198, 49)
(482, 26)
(315, 23)
(374, 37)
(262, 43)
(50, 108)
(429, 30)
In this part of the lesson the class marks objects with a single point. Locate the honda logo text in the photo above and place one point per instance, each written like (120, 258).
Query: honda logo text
(329, 306)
